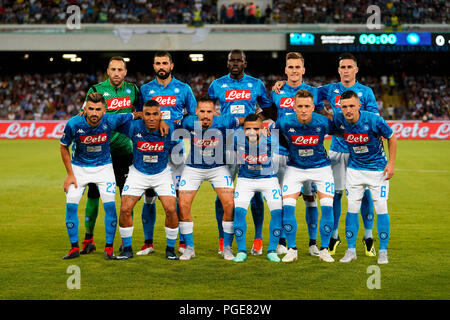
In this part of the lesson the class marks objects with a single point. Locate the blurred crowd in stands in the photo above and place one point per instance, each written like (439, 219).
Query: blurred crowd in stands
(60, 96)
(393, 12)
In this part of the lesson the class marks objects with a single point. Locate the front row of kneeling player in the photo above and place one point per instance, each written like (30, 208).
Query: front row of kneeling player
(257, 160)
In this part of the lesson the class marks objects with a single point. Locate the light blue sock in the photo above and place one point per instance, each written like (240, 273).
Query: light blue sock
(240, 228)
(290, 225)
(351, 229)
(127, 241)
(367, 212)
(336, 213)
(189, 239)
(257, 209)
(312, 219)
(326, 226)
(170, 242)
(275, 228)
(219, 216)
(72, 221)
(148, 219)
(110, 221)
(384, 230)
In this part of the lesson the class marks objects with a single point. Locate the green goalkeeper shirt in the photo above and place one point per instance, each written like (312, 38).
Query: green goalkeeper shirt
(118, 100)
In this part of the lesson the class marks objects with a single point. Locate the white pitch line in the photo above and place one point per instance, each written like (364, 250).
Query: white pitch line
(423, 170)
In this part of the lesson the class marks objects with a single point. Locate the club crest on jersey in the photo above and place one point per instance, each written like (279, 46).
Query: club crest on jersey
(301, 140)
(287, 102)
(238, 94)
(166, 101)
(356, 138)
(176, 90)
(118, 103)
(94, 139)
(249, 85)
(128, 91)
(145, 146)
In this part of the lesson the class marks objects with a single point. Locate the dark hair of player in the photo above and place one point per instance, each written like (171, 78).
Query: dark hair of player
(118, 58)
(349, 94)
(252, 117)
(295, 55)
(163, 54)
(237, 51)
(151, 103)
(205, 99)
(95, 97)
(304, 94)
(347, 55)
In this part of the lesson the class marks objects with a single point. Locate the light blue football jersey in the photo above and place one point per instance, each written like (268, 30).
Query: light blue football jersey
(364, 140)
(91, 144)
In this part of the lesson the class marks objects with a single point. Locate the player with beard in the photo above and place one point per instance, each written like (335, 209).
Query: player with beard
(120, 97)
(238, 94)
(176, 99)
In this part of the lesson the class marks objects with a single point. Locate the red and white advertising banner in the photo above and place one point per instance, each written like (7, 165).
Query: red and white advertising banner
(22, 129)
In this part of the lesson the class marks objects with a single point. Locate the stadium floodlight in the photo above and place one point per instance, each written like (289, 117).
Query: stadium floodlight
(196, 57)
(69, 56)
(126, 59)
(51, 59)
(76, 59)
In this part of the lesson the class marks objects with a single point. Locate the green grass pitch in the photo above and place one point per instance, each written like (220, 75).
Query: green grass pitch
(33, 240)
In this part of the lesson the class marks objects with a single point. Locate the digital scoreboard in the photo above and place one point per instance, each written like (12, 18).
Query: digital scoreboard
(369, 42)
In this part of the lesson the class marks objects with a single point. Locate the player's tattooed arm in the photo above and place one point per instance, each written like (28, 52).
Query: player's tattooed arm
(70, 179)
(392, 146)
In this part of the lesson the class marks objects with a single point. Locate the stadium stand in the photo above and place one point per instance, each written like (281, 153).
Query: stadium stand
(395, 12)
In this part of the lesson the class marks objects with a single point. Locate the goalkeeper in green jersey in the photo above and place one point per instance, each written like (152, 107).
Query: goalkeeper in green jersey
(120, 97)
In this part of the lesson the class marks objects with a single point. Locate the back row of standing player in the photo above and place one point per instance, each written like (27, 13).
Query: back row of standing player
(238, 94)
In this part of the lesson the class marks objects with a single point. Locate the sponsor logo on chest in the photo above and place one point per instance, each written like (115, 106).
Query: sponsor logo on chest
(255, 159)
(206, 143)
(94, 139)
(287, 102)
(238, 94)
(145, 146)
(301, 140)
(118, 103)
(166, 101)
(356, 138)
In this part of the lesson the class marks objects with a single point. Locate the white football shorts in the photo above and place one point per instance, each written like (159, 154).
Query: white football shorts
(269, 187)
(359, 180)
(295, 179)
(192, 178)
(102, 176)
(137, 182)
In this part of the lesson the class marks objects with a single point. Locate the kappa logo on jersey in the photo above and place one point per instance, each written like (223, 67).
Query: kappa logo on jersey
(356, 138)
(206, 143)
(118, 103)
(238, 94)
(80, 131)
(337, 101)
(166, 101)
(255, 159)
(287, 102)
(145, 146)
(300, 140)
(94, 139)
